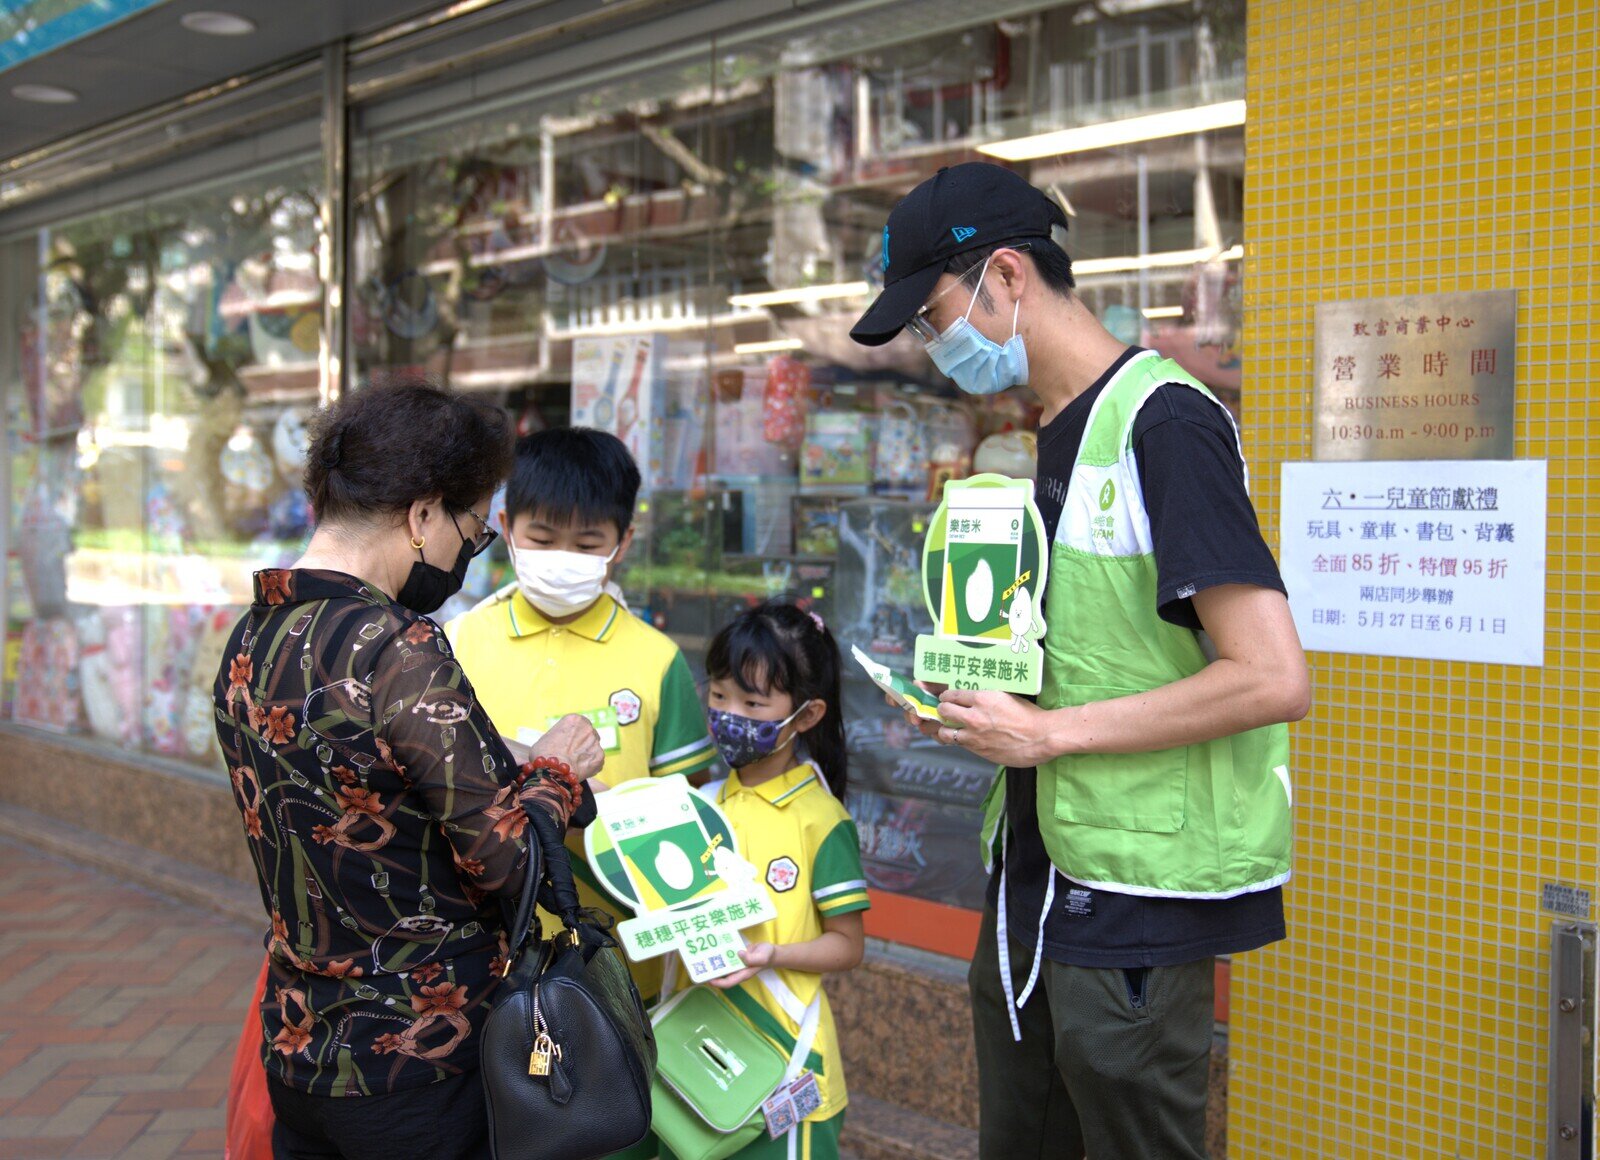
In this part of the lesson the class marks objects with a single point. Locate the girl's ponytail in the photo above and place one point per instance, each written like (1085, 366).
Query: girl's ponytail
(826, 742)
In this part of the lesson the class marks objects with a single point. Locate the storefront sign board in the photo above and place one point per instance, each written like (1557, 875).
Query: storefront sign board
(1442, 560)
(1427, 376)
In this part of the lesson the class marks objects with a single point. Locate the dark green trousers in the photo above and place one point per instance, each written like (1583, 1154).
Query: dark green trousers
(1113, 1064)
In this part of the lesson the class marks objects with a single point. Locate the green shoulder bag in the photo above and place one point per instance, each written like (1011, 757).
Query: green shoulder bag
(714, 1070)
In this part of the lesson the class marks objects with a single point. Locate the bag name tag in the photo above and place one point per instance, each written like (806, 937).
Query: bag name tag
(785, 1108)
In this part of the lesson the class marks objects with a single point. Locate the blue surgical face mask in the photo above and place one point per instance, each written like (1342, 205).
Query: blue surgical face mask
(975, 363)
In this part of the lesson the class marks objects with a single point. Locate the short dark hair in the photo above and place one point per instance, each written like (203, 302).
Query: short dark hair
(573, 475)
(1055, 268)
(380, 449)
(777, 645)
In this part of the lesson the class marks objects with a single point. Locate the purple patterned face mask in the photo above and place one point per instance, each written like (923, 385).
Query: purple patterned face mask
(744, 741)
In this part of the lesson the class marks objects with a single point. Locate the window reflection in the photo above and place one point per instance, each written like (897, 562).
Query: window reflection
(167, 359)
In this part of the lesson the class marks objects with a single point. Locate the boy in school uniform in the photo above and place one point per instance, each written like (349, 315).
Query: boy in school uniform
(559, 640)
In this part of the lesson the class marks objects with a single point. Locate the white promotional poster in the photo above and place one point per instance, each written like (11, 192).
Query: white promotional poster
(614, 387)
(1435, 559)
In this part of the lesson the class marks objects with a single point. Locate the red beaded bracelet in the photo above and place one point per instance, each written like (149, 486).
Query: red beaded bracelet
(546, 765)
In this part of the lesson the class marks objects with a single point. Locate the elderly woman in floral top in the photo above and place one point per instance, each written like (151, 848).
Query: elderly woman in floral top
(384, 813)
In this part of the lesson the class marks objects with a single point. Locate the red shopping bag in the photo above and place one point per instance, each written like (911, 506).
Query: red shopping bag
(249, 1122)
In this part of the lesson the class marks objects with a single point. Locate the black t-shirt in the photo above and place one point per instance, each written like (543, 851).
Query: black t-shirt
(1205, 533)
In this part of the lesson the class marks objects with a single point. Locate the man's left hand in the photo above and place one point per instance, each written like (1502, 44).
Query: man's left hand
(998, 727)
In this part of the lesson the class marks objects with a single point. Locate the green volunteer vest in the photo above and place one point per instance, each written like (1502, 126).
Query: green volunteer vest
(1202, 821)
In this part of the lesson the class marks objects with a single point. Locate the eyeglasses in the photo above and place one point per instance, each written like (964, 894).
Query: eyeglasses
(485, 536)
(921, 326)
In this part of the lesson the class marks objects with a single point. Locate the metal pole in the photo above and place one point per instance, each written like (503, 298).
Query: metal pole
(1144, 232)
(1570, 1090)
(333, 351)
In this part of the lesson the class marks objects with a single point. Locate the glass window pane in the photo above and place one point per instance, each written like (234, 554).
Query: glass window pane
(678, 254)
(167, 362)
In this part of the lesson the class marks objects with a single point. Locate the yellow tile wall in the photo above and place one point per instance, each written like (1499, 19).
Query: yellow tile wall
(1397, 148)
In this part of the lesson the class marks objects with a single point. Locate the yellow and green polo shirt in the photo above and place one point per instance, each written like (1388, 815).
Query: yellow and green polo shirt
(528, 673)
(607, 664)
(806, 849)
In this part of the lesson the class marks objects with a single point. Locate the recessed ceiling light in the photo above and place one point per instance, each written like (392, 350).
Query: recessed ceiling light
(217, 23)
(44, 94)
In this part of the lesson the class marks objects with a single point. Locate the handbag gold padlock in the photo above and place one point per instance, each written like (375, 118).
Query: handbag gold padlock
(539, 1059)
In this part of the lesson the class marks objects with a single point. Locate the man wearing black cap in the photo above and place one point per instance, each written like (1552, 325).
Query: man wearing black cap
(1141, 825)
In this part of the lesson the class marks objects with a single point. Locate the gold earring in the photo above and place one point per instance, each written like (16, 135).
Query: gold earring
(418, 543)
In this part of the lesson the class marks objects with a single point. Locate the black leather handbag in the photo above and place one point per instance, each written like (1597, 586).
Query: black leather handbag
(567, 1052)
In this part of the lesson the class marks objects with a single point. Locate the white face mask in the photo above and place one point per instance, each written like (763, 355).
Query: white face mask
(560, 583)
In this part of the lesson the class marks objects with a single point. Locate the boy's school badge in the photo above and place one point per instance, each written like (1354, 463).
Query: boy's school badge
(782, 874)
(628, 706)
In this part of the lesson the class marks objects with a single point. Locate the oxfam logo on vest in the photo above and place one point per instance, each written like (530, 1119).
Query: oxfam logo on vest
(1108, 496)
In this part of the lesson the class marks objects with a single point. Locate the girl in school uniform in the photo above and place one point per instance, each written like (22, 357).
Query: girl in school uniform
(774, 710)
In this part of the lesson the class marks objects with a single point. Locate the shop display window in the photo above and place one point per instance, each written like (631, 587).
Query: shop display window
(677, 257)
(672, 247)
(165, 364)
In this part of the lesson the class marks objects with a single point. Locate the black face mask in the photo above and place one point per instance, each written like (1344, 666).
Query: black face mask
(429, 586)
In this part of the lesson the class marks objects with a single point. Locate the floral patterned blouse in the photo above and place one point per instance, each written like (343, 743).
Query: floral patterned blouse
(381, 811)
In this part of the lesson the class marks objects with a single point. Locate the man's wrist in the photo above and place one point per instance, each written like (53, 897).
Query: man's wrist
(1061, 735)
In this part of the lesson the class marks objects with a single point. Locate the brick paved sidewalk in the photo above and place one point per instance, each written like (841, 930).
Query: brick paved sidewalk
(120, 1014)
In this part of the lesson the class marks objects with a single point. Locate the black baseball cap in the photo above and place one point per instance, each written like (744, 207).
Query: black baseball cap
(962, 207)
